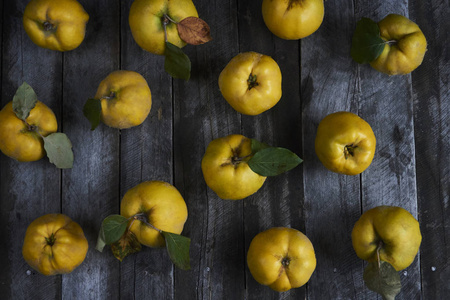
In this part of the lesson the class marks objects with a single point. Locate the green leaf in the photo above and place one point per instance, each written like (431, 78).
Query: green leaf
(126, 245)
(92, 110)
(59, 150)
(112, 229)
(367, 44)
(24, 101)
(383, 280)
(176, 63)
(273, 161)
(100, 240)
(178, 248)
(257, 146)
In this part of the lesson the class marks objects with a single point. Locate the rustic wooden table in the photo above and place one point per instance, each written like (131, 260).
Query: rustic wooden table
(410, 116)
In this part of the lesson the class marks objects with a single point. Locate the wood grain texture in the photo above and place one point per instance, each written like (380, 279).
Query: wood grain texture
(432, 128)
(201, 114)
(146, 154)
(409, 115)
(387, 106)
(329, 82)
(90, 189)
(28, 190)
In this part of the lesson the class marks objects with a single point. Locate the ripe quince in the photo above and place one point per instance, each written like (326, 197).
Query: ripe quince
(282, 258)
(345, 143)
(391, 230)
(226, 170)
(19, 139)
(55, 24)
(293, 19)
(405, 46)
(54, 244)
(251, 83)
(147, 18)
(157, 205)
(125, 98)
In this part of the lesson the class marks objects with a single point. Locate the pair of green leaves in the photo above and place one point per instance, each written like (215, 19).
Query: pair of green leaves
(193, 31)
(271, 161)
(57, 145)
(367, 43)
(123, 242)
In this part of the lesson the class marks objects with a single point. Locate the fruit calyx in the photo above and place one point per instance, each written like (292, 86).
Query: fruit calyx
(51, 240)
(286, 261)
(251, 81)
(349, 150)
(48, 26)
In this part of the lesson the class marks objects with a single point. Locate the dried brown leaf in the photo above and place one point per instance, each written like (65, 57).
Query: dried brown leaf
(194, 31)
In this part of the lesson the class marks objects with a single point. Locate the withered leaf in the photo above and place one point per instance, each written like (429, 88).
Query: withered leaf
(128, 244)
(194, 31)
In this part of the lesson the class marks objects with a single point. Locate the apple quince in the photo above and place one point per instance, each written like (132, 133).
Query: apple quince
(251, 83)
(147, 18)
(345, 143)
(156, 206)
(293, 19)
(22, 140)
(125, 98)
(54, 244)
(390, 231)
(282, 258)
(405, 46)
(55, 24)
(226, 170)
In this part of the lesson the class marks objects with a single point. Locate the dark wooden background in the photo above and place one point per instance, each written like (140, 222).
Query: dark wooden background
(409, 115)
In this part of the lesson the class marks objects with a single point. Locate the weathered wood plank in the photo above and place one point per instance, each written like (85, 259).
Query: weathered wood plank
(201, 115)
(146, 154)
(280, 201)
(386, 105)
(27, 190)
(90, 189)
(432, 128)
(332, 201)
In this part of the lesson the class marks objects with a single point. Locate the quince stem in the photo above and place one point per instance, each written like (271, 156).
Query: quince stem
(380, 245)
(391, 42)
(170, 19)
(143, 218)
(166, 21)
(236, 159)
(111, 96)
(33, 128)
